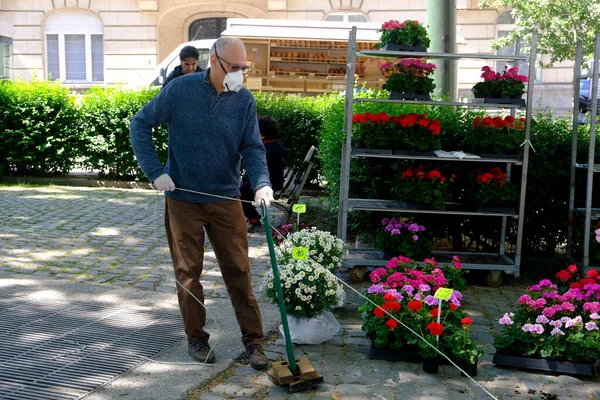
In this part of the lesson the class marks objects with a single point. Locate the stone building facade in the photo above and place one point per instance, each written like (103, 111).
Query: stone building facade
(91, 42)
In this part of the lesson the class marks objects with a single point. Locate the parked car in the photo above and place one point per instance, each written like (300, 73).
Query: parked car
(172, 60)
(585, 97)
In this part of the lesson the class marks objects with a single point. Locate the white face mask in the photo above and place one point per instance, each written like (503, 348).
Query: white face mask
(233, 81)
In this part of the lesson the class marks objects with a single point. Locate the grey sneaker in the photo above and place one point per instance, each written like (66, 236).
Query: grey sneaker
(253, 228)
(257, 357)
(201, 351)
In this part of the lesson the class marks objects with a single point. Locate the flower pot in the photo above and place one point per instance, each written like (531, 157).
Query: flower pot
(404, 47)
(409, 96)
(407, 354)
(431, 365)
(312, 330)
(502, 100)
(542, 364)
(470, 369)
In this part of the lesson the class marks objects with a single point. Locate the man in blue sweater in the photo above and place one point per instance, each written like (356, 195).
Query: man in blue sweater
(212, 122)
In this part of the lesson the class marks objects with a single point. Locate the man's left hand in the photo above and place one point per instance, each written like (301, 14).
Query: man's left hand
(264, 193)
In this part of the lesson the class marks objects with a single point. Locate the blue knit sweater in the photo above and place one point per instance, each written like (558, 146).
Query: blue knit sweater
(208, 132)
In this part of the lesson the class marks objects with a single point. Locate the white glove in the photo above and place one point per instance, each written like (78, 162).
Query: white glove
(164, 183)
(264, 193)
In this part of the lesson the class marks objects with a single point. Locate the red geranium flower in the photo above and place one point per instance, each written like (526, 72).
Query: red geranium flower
(389, 297)
(415, 305)
(587, 280)
(466, 321)
(434, 312)
(576, 285)
(379, 312)
(392, 324)
(435, 328)
(391, 305)
(572, 268)
(563, 275)
(592, 273)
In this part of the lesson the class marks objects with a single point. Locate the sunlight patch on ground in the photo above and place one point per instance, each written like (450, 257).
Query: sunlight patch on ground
(105, 232)
(53, 196)
(47, 255)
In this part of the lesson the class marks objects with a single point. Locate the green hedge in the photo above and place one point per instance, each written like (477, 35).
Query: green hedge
(39, 129)
(106, 115)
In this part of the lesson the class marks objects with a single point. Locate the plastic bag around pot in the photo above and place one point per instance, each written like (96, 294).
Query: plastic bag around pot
(312, 330)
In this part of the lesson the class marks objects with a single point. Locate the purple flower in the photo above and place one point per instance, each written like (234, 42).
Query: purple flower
(594, 316)
(541, 319)
(424, 288)
(567, 306)
(395, 231)
(455, 298)
(545, 282)
(556, 324)
(590, 326)
(385, 221)
(417, 296)
(415, 238)
(378, 289)
(389, 228)
(556, 331)
(395, 293)
(413, 228)
(534, 288)
(431, 301)
(408, 289)
(505, 320)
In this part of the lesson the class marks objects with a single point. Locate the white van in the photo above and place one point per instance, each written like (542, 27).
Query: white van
(172, 60)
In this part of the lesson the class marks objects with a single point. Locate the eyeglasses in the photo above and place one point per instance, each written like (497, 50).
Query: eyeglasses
(234, 68)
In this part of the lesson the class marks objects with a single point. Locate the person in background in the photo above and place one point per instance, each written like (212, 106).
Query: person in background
(269, 133)
(212, 123)
(188, 56)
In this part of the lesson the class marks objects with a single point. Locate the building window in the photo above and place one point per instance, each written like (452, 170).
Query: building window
(6, 58)
(346, 16)
(74, 46)
(207, 28)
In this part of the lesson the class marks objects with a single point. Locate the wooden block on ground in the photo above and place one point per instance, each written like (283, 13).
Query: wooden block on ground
(306, 369)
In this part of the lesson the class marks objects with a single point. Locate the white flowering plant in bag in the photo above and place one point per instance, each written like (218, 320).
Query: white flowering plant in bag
(308, 290)
(323, 248)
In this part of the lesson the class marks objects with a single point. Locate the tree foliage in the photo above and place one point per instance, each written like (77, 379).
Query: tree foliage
(559, 25)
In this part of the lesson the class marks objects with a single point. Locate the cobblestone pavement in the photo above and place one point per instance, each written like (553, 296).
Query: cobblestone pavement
(107, 236)
(115, 237)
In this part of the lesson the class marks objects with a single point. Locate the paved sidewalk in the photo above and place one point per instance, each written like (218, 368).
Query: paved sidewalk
(83, 244)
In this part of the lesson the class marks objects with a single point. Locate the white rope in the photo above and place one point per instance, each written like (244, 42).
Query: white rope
(351, 288)
(391, 316)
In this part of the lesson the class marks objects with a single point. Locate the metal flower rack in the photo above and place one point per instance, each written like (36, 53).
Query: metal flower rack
(588, 212)
(495, 263)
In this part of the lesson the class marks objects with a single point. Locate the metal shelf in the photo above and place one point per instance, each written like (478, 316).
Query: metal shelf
(439, 103)
(379, 153)
(418, 54)
(469, 260)
(401, 206)
(595, 212)
(590, 167)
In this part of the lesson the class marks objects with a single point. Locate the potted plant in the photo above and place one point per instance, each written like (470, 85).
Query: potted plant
(422, 186)
(494, 190)
(496, 135)
(403, 291)
(465, 351)
(402, 132)
(309, 287)
(505, 87)
(409, 35)
(403, 236)
(281, 233)
(410, 79)
(555, 326)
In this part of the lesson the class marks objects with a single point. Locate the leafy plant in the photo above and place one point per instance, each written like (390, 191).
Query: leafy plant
(403, 236)
(422, 186)
(496, 135)
(494, 188)
(408, 32)
(552, 324)
(495, 84)
(410, 75)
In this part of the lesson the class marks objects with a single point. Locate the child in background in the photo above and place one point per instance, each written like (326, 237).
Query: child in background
(269, 133)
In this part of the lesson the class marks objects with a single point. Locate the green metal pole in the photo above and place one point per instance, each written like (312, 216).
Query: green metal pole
(441, 27)
(289, 346)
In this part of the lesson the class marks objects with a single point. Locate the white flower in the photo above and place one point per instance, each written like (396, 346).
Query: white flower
(311, 278)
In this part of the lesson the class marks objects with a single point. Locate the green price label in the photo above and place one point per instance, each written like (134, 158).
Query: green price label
(299, 208)
(300, 253)
(443, 294)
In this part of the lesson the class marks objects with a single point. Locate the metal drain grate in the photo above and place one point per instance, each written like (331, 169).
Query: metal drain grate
(55, 350)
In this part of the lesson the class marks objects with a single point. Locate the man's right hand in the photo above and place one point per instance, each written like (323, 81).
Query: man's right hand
(164, 183)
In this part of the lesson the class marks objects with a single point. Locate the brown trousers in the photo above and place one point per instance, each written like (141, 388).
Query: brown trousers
(227, 231)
